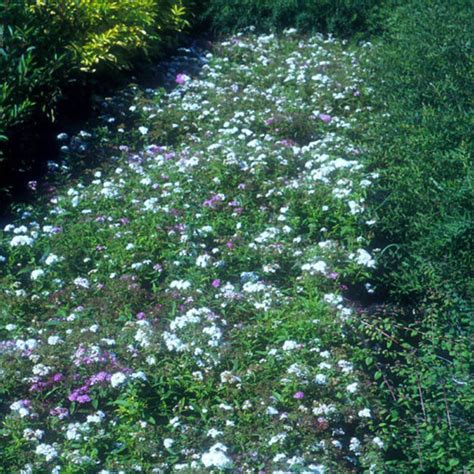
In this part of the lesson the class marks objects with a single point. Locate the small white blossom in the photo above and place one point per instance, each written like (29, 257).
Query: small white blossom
(20, 240)
(168, 442)
(290, 345)
(365, 413)
(37, 274)
(378, 442)
(51, 259)
(96, 418)
(352, 388)
(46, 450)
(321, 379)
(180, 284)
(81, 282)
(355, 445)
(213, 433)
(279, 438)
(54, 340)
(203, 261)
(20, 407)
(41, 370)
(118, 379)
(216, 457)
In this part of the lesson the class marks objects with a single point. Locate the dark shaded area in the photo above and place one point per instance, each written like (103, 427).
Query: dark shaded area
(31, 147)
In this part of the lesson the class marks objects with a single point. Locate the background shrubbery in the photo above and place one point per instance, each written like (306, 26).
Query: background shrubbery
(343, 17)
(423, 79)
(421, 71)
(45, 46)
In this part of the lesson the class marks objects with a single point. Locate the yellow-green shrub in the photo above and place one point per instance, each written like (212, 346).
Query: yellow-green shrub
(108, 32)
(47, 44)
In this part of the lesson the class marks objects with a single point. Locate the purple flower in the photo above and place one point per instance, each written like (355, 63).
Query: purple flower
(60, 412)
(182, 79)
(287, 142)
(141, 315)
(212, 201)
(73, 396)
(298, 395)
(325, 118)
(83, 399)
(38, 386)
(154, 149)
(57, 378)
(99, 377)
(216, 283)
(80, 394)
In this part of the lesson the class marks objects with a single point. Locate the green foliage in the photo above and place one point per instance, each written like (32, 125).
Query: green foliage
(108, 34)
(29, 80)
(422, 73)
(344, 17)
(423, 78)
(420, 360)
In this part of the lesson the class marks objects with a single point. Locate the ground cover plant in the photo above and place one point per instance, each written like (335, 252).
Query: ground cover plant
(263, 266)
(181, 308)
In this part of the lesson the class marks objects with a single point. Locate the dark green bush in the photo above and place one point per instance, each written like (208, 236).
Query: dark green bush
(422, 75)
(344, 17)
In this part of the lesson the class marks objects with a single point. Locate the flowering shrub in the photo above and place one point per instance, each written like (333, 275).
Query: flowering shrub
(184, 306)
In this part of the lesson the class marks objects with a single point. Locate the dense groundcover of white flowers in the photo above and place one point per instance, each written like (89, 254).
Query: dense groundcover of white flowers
(182, 307)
